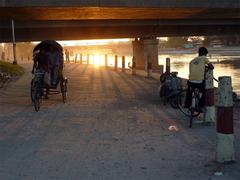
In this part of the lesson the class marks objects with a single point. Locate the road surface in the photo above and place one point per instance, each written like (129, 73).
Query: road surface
(113, 127)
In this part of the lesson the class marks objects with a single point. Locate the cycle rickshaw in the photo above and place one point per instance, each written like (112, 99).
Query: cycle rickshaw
(47, 72)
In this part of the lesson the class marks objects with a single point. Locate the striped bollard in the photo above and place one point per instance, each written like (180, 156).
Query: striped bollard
(133, 66)
(209, 115)
(168, 66)
(225, 137)
(116, 63)
(123, 64)
(149, 69)
(106, 60)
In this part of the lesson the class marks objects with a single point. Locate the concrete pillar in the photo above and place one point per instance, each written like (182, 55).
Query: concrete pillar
(116, 63)
(168, 65)
(149, 69)
(225, 137)
(123, 64)
(143, 48)
(209, 115)
(87, 58)
(106, 60)
(138, 53)
(81, 58)
(75, 57)
(3, 56)
(151, 52)
(133, 66)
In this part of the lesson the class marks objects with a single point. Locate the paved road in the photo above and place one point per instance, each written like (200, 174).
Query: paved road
(112, 127)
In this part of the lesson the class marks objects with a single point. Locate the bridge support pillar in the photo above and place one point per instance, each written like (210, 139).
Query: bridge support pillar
(106, 60)
(145, 50)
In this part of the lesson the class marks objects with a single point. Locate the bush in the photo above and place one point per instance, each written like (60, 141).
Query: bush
(11, 69)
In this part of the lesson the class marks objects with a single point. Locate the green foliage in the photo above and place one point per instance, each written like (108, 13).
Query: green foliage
(12, 69)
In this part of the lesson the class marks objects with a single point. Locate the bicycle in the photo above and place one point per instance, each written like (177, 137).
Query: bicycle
(170, 88)
(194, 109)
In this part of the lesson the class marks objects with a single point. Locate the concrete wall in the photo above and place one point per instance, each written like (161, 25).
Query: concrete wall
(123, 3)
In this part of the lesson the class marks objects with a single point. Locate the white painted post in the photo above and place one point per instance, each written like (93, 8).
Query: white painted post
(106, 60)
(133, 66)
(209, 115)
(123, 64)
(225, 138)
(168, 66)
(149, 69)
(116, 63)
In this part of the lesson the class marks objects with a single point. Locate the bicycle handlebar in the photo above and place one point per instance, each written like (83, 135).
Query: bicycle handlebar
(215, 79)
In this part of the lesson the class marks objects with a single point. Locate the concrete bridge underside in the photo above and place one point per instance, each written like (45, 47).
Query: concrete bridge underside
(65, 23)
(70, 20)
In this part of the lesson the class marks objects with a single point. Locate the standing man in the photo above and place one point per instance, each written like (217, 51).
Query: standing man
(197, 75)
(75, 57)
(67, 55)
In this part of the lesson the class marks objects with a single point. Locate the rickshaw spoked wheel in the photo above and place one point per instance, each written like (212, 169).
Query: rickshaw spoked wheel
(36, 94)
(64, 89)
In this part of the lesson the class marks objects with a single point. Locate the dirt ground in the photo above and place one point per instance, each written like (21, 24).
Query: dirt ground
(113, 127)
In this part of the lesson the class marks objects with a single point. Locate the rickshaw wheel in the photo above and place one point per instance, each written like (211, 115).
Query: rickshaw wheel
(64, 90)
(31, 91)
(36, 104)
(36, 94)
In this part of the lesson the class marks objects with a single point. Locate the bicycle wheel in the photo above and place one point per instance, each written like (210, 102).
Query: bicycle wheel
(173, 100)
(195, 107)
(32, 90)
(194, 110)
(181, 105)
(36, 95)
(191, 117)
(63, 85)
(36, 102)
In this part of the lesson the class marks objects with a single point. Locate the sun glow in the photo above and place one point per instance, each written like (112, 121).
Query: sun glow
(92, 51)
(97, 60)
(92, 42)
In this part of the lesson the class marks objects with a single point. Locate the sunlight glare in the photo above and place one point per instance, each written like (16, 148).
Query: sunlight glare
(92, 42)
(97, 60)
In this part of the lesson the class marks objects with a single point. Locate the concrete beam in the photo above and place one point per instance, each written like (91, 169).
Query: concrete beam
(99, 32)
(123, 23)
(107, 13)
(122, 3)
